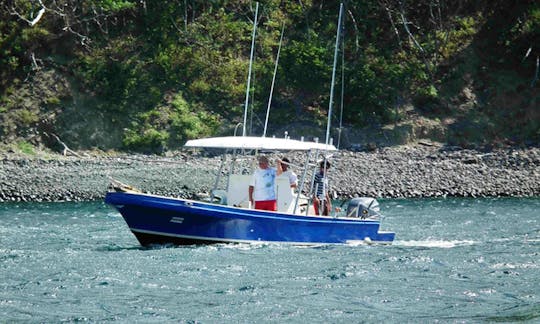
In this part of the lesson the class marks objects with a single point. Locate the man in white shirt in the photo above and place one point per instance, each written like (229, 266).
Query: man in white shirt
(293, 178)
(262, 192)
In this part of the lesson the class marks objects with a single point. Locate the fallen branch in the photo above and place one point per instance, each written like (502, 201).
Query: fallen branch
(66, 148)
(34, 62)
(426, 143)
(405, 24)
(393, 25)
(38, 17)
(33, 22)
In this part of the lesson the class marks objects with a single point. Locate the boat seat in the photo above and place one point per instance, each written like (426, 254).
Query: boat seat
(284, 194)
(238, 190)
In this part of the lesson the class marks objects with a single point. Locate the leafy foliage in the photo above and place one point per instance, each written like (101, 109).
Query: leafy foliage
(167, 71)
(168, 126)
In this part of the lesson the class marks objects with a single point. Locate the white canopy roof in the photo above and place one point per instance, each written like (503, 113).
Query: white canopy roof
(258, 143)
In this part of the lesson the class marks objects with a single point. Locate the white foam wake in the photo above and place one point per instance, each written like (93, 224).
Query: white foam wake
(435, 243)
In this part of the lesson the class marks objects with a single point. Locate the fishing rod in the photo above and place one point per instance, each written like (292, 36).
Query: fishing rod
(342, 90)
(249, 72)
(333, 75)
(273, 80)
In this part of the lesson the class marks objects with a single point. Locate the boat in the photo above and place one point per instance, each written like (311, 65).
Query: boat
(226, 216)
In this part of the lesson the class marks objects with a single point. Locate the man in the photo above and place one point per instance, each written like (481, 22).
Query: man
(262, 188)
(320, 191)
(293, 178)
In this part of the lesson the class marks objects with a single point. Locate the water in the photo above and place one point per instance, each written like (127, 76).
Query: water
(454, 260)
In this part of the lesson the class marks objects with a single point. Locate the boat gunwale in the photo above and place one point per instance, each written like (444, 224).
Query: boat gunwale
(233, 210)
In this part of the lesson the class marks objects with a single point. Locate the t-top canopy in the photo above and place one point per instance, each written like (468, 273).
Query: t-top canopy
(258, 143)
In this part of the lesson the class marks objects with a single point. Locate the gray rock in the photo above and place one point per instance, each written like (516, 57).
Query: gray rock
(397, 172)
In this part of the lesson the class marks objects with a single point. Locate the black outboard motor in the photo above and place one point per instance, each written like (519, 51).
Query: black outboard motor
(363, 207)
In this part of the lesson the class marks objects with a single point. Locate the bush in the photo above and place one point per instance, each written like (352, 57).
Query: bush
(426, 97)
(168, 126)
(26, 148)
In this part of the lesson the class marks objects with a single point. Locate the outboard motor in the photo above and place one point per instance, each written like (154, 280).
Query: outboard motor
(363, 207)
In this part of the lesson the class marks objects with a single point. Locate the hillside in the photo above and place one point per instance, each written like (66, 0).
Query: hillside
(146, 76)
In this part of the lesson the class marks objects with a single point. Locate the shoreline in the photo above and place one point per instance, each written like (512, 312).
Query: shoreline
(413, 171)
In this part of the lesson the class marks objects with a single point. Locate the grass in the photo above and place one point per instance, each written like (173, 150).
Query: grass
(26, 148)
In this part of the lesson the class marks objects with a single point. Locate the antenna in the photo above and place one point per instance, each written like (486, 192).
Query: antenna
(249, 73)
(342, 90)
(273, 80)
(333, 75)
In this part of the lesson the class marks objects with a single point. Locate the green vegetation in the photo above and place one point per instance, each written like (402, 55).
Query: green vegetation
(154, 74)
(168, 126)
(26, 148)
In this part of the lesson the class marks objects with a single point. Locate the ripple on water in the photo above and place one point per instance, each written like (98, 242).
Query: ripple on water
(452, 261)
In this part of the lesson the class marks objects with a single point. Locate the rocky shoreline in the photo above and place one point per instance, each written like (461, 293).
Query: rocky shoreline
(395, 172)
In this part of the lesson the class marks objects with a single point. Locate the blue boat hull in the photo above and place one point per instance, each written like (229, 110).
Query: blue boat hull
(159, 220)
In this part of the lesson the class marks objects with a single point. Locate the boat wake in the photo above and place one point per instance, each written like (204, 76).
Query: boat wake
(435, 243)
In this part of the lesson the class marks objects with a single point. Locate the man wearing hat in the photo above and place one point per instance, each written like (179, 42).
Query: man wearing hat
(262, 188)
